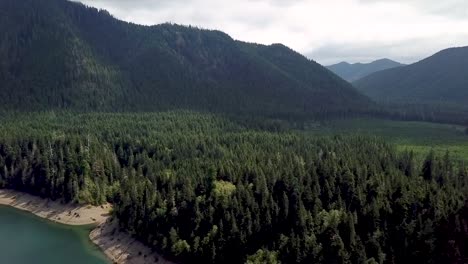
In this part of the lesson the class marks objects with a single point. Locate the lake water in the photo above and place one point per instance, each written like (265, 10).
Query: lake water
(26, 238)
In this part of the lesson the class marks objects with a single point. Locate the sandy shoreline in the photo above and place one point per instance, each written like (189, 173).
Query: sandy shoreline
(54, 211)
(122, 248)
(119, 247)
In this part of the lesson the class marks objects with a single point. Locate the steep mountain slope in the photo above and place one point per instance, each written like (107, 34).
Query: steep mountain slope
(440, 79)
(59, 54)
(356, 71)
(45, 63)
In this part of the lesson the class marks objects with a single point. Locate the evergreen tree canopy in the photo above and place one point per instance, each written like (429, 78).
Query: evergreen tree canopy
(58, 54)
(439, 80)
(206, 189)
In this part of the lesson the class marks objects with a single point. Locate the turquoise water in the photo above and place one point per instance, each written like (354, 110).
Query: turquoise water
(26, 239)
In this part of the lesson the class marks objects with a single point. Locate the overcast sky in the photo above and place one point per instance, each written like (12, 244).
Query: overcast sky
(327, 31)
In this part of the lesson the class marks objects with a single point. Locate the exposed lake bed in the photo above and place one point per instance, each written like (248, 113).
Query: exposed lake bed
(45, 231)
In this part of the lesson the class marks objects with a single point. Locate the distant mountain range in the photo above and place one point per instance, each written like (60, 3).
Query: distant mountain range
(441, 79)
(57, 54)
(356, 71)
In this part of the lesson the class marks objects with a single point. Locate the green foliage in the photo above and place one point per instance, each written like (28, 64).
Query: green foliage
(223, 189)
(207, 189)
(419, 137)
(438, 81)
(59, 54)
(180, 247)
(330, 219)
(263, 257)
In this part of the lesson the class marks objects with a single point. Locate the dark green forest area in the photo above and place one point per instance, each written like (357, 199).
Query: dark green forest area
(57, 54)
(439, 81)
(210, 189)
(61, 55)
(215, 150)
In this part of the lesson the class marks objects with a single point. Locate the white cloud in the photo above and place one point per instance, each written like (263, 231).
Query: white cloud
(326, 30)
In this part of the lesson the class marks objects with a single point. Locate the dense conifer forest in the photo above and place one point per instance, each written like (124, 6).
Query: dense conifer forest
(438, 80)
(210, 189)
(205, 152)
(61, 55)
(58, 54)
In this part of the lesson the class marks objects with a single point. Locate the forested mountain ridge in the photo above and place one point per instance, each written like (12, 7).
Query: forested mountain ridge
(60, 54)
(356, 71)
(208, 187)
(437, 80)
